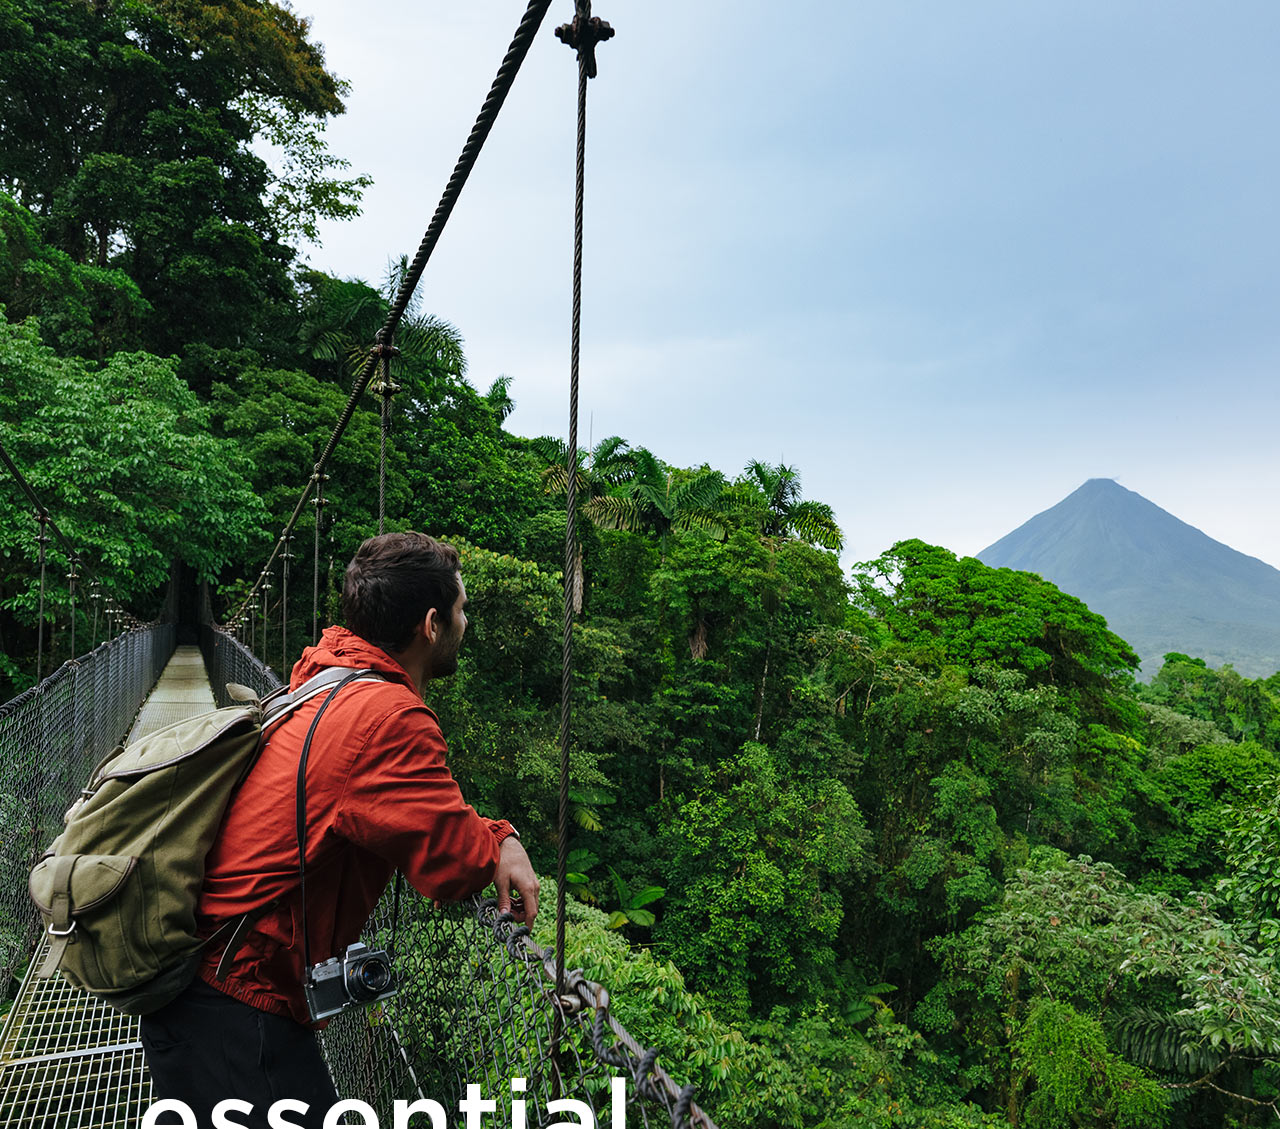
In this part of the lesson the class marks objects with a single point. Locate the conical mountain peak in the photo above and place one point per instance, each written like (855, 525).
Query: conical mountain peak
(1162, 584)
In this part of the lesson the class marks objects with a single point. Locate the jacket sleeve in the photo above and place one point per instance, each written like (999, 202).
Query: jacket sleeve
(401, 802)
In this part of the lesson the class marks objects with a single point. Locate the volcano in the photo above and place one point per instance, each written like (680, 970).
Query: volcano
(1161, 584)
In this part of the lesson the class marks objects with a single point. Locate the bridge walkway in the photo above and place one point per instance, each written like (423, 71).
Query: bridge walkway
(68, 1061)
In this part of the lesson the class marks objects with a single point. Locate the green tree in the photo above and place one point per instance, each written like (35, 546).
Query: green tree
(1252, 846)
(82, 308)
(1078, 981)
(127, 129)
(770, 497)
(600, 470)
(660, 500)
(945, 610)
(1242, 708)
(1192, 802)
(124, 459)
(754, 906)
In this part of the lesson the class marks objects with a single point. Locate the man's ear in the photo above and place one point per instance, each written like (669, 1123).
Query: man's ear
(430, 625)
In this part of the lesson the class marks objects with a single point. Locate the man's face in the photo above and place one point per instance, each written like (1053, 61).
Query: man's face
(444, 655)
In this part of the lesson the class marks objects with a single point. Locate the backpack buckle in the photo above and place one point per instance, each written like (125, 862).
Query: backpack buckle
(54, 931)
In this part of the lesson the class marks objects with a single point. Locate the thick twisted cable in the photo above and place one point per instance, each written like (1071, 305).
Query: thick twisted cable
(520, 43)
(570, 523)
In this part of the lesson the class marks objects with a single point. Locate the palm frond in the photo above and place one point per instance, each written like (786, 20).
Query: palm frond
(550, 449)
(1168, 1042)
(815, 522)
(612, 461)
(700, 519)
(435, 342)
(701, 492)
(609, 512)
(498, 397)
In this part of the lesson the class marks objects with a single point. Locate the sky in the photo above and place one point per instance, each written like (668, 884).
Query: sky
(947, 260)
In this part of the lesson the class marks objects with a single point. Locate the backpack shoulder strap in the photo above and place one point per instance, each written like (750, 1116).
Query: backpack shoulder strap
(281, 704)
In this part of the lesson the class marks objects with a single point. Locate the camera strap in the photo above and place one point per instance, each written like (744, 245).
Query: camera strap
(301, 806)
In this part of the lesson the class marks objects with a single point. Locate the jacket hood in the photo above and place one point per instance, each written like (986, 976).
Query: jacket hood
(340, 647)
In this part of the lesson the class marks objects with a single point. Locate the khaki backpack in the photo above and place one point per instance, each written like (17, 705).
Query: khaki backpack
(118, 889)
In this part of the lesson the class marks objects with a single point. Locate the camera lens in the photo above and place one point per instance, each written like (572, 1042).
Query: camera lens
(369, 978)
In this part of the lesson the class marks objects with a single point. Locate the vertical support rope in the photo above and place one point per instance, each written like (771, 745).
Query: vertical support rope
(384, 389)
(284, 607)
(583, 35)
(42, 540)
(72, 577)
(318, 502)
(570, 532)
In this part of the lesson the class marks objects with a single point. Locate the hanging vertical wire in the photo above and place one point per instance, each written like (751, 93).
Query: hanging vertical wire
(72, 577)
(318, 501)
(384, 394)
(384, 389)
(95, 598)
(266, 588)
(285, 558)
(583, 34)
(42, 540)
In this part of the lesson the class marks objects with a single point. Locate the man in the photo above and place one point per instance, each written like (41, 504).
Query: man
(379, 796)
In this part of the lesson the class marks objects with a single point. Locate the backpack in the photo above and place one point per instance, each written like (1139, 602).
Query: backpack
(118, 889)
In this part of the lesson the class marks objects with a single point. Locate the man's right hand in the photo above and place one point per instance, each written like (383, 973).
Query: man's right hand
(515, 871)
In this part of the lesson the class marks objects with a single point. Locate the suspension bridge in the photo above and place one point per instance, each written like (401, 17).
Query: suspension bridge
(480, 1003)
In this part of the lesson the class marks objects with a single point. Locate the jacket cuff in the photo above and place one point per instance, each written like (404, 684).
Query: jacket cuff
(502, 830)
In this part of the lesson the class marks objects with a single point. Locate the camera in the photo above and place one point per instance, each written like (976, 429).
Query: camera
(359, 977)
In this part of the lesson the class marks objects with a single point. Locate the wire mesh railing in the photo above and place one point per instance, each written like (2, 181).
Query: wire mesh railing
(477, 1006)
(51, 736)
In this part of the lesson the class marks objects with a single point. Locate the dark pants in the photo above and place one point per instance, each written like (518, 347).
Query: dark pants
(205, 1047)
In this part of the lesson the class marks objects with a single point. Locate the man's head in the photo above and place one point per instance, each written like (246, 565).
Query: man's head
(404, 590)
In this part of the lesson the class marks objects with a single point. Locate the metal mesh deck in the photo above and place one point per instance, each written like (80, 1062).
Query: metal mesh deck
(182, 692)
(68, 1061)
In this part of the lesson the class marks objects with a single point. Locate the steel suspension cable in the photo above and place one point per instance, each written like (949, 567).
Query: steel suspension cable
(520, 43)
(319, 503)
(42, 540)
(582, 34)
(384, 389)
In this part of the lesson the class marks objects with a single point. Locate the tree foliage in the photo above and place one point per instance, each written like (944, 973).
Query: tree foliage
(126, 129)
(122, 456)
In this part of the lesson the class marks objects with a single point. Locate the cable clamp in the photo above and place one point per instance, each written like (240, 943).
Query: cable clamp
(583, 34)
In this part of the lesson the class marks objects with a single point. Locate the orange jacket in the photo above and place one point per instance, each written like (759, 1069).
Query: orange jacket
(379, 796)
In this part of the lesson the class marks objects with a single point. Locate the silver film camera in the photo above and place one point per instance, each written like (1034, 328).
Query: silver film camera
(361, 976)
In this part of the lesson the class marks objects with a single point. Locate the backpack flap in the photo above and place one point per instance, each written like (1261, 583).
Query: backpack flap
(167, 747)
(65, 886)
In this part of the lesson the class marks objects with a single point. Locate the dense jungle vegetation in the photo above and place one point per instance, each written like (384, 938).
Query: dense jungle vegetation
(905, 845)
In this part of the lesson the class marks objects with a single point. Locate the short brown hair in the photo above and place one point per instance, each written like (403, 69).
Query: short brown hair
(393, 581)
